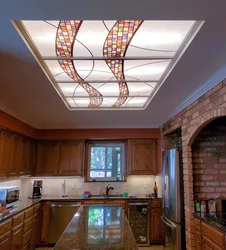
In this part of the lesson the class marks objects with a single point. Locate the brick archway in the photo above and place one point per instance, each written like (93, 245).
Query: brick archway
(188, 139)
(191, 120)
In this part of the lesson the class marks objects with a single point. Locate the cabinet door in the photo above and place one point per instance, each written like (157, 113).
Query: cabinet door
(142, 157)
(35, 230)
(5, 244)
(71, 158)
(5, 141)
(17, 239)
(15, 149)
(45, 222)
(24, 166)
(156, 229)
(47, 158)
(208, 244)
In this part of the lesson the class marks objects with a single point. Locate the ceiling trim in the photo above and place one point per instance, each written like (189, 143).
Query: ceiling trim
(219, 76)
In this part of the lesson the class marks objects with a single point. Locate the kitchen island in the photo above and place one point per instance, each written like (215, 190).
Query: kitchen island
(98, 227)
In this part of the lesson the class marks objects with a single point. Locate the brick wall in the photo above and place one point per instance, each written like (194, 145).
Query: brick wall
(191, 120)
(209, 160)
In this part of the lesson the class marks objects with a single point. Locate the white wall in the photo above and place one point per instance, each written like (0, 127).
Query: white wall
(135, 185)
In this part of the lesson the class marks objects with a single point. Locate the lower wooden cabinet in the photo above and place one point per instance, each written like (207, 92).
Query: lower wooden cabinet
(208, 244)
(155, 221)
(17, 238)
(36, 227)
(5, 241)
(207, 237)
(45, 222)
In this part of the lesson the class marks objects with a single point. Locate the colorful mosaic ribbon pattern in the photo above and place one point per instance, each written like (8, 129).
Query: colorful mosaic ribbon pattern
(65, 37)
(116, 45)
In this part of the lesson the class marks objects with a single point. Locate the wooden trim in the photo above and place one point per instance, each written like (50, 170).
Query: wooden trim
(14, 124)
(121, 133)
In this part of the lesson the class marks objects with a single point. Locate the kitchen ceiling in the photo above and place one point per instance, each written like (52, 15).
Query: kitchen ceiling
(117, 64)
(26, 92)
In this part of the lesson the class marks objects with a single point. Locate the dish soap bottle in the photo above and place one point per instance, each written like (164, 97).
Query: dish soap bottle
(118, 177)
(155, 191)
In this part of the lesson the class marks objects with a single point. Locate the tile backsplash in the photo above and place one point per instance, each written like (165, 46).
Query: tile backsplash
(135, 185)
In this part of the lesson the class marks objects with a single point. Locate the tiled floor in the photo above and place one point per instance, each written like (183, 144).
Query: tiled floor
(140, 248)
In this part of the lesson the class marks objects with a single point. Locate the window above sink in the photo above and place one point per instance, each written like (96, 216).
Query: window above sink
(105, 161)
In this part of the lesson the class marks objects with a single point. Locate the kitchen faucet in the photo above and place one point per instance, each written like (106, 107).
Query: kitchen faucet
(108, 189)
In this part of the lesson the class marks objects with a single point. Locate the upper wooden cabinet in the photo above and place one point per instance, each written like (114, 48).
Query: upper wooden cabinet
(60, 158)
(15, 155)
(5, 141)
(71, 158)
(142, 157)
(47, 158)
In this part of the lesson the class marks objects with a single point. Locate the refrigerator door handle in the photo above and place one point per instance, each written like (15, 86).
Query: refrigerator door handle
(167, 223)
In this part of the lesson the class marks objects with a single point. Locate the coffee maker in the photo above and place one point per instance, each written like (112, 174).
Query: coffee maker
(35, 189)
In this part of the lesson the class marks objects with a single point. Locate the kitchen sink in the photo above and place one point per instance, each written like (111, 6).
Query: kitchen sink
(98, 196)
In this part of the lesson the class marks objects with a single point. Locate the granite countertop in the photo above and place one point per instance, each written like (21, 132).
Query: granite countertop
(212, 220)
(98, 227)
(25, 202)
(22, 204)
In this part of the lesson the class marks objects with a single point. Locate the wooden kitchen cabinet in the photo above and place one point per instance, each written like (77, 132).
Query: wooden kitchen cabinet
(15, 151)
(24, 166)
(5, 141)
(207, 237)
(155, 221)
(208, 244)
(142, 157)
(17, 238)
(36, 227)
(45, 222)
(5, 241)
(47, 158)
(71, 158)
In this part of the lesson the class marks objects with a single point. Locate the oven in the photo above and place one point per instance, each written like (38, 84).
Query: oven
(9, 196)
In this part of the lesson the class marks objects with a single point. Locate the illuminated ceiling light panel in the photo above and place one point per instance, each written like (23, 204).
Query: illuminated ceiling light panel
(117, 65)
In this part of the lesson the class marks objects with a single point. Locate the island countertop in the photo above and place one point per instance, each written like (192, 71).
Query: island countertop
(98, 227)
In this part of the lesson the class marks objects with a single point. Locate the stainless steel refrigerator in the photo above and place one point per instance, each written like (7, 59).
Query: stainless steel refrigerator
(172, 201)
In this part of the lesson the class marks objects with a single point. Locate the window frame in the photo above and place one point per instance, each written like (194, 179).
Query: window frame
(105, 143)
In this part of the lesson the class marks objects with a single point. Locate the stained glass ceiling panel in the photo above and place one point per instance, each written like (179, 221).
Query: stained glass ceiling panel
(107, 64)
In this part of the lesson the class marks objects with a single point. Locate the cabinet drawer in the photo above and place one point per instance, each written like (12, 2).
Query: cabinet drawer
(28, 213)
(197, 225)
(26, 238)
(155, 204)
(28, 224)
(36, 208)
(213, 234)
(5, 226)
(18, 219)
(5, 236)
(5, 241)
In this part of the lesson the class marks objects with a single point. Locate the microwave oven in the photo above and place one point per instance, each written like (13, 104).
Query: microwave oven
(9, 196)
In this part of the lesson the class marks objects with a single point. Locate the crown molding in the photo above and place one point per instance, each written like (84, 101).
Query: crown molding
(216, 78)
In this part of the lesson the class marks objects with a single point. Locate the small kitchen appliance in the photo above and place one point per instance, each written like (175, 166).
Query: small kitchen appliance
(9, 196)
(35, 189)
